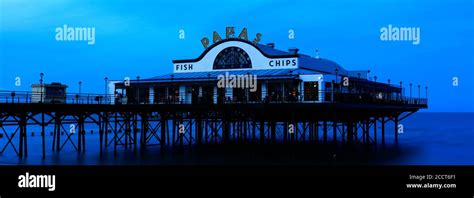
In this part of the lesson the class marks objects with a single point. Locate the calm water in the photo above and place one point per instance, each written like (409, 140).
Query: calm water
(428, 139)
(438, 139)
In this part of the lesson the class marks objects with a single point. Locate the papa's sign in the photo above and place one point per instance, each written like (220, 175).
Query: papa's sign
(230, 33)
(234, 52)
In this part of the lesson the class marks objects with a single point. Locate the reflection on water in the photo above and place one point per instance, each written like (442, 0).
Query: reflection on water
(428, 139)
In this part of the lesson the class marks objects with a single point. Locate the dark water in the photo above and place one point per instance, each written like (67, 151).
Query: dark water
(427, 139)
(438, 139)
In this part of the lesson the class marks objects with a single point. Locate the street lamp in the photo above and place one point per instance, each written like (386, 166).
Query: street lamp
(419, 95)
(79, 94)
(80, 85)
(388, 81)
(375, 78)
(336, 71)
(410, 89)
(41, 86)
(13, 96)
(106, 89)
(401, 88)
(426, 91)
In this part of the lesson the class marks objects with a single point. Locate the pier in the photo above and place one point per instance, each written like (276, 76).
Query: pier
(291, 98)
(350, 118)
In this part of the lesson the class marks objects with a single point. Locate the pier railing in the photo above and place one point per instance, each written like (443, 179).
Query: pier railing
(189, 98)
(71, 98)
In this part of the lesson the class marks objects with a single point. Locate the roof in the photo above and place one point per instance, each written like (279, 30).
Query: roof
(321, 64)
(272, 51)
(54, 84)
(317, 64)
(305, 61)
(263, 74)
(306, 64)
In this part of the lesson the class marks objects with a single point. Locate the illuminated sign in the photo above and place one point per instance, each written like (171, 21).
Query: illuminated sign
(284, 62)
(234, 53)
(230, 33)
(183, 67)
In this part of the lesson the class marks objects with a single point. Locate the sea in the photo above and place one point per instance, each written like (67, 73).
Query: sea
(426, 138)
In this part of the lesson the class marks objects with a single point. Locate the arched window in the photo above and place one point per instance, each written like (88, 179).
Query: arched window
(232, 58)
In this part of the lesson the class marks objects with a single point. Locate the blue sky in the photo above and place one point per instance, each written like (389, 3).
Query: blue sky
(141, 38)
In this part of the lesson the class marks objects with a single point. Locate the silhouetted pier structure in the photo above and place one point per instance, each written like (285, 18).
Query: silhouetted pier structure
(350, 118)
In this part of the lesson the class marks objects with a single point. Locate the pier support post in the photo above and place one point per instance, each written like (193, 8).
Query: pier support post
(305, 127)
(101, 131)
(57, 117)
(163, 130)
(273, 131)
(144, 125)
(116, 130)
(325, 130)
(367, 130)
(43, 134)
(23, 143)
(356, 132)
(135, 131)
(79, 132)
(215, 130)
(174, 129)
(83, 133)
(316, 127)
(375, 131)
(106, 128)
(199, 129)
(226, 128)
(343, 129)
(127, 117)
(383, 130)
(254, 131)
(396, 129)
(350, 132)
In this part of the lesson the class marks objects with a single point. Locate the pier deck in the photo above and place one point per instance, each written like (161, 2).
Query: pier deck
(167, 125)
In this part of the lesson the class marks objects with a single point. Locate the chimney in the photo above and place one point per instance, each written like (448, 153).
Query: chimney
(293, 50)
(272, 45)
(317, 53)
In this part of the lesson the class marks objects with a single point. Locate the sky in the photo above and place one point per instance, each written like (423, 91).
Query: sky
(141, 38)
